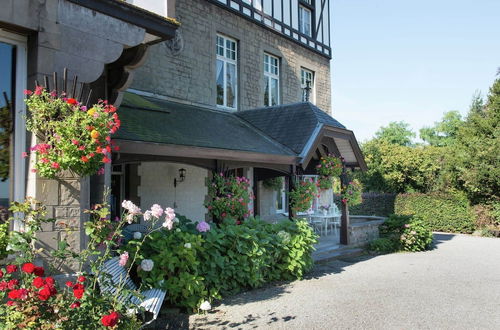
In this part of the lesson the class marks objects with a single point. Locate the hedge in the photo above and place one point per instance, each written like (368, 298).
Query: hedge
(441, 211)
(378, 204)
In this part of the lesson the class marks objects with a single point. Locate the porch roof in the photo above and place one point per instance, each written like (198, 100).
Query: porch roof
(291, 134)
(151, 120)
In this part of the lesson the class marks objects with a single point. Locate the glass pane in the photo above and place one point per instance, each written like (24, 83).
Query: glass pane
(6, 124)
(231, 85)
(220, 46)
(266, 93)
(274, 91)
(266, 63)
(279, 200)
(220, 82)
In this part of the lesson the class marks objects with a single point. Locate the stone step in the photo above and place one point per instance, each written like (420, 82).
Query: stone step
(335, 252)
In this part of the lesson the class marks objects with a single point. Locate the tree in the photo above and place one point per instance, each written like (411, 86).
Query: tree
(396, 133)
(476, 161)
(444, 132)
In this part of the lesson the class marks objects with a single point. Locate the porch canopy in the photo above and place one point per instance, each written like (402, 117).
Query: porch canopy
(280, 139)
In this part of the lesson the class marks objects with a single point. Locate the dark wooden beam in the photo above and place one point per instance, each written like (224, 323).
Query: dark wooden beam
(344, 219)
(256, 195)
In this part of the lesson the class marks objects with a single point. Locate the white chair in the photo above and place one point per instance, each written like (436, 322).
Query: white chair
(334, 219)
(153, 299)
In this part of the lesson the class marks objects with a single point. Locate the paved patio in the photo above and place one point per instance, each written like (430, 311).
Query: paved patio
(454, 286)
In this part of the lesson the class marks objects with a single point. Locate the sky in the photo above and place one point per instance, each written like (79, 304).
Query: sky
(402, 60)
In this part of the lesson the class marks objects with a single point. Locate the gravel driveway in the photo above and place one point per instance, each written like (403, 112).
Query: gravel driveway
(454, 286)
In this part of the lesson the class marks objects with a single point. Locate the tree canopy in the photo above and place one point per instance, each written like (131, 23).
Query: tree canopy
(396, 133)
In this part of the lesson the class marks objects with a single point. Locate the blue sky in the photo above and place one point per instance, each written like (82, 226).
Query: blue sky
(402, 60)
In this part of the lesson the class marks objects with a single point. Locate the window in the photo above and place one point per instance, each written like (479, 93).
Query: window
(305, 77)
(305, 20)
(272, 80)
(281, 200)
(13, 73)
(226, 72)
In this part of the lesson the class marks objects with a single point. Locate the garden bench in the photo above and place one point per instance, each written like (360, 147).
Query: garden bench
(153, 298)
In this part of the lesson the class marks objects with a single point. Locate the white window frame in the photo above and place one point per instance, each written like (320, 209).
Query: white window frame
(271, 72)
(284, 200)
(21, 71)
(225, 61)
(303, 84)
(303, 23)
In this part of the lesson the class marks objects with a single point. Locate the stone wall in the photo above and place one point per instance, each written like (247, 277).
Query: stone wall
(363, 230)
(189, 75)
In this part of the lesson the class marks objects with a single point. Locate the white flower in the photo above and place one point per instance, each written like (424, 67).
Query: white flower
(205, 306)
(147, 215)
(156, 210)
(147, 265)
(137, 235)
(187, 245)
(169, 224)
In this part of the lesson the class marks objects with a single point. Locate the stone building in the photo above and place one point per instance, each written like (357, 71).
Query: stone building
(241, 85)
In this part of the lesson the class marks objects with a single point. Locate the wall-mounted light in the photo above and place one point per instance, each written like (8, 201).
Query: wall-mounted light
(182, 176)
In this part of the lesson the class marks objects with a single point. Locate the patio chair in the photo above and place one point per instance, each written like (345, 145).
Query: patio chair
(153, 299)
(128, 231)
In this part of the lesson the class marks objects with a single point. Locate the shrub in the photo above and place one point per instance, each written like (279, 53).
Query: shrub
(378, 204)
(226, 259)
(441, 212)
(4, 239)
(402, 233)
(383, 245)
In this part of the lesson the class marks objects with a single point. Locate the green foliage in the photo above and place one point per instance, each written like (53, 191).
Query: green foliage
(351, 193)
(475, 166)
(301, 197)
(273, 183)
(397, 133)
(329, 166)
(396, 168)
(226, 259)
(440, 211)
(4, 239)
(444, 132)
(402, 233)
(378, 204)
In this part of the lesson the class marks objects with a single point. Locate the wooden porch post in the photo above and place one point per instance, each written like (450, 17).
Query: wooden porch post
(344, 219)
(256, 200)
(290, 188)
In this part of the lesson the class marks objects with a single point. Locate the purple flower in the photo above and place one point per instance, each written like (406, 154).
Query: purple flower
(203, 227)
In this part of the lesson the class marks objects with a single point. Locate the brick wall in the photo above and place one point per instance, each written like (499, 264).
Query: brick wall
(190, 74)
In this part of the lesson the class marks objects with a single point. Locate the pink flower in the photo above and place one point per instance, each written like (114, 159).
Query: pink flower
(25, 154)
(100, 171)
(203, 227)
(169, 213)
(123, 259)
(147, 215)
(55, 165)
(27, 92)
(157, 211)
(38, 90)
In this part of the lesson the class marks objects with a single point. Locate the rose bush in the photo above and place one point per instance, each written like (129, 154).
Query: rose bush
(71, 137)
(31, 299)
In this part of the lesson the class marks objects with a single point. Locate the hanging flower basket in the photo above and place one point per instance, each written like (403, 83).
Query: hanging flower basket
(330, 166)
(228, 197)
(351, 193)
(71, 137)
(302, 195)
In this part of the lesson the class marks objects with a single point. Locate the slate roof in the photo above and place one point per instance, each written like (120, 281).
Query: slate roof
(291, 124)
(149, 119)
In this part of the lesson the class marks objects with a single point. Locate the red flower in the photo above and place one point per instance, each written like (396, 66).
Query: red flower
(81, 279)
(117, 148)
(11, 268)
(39, 271)
(18, 294)
(28, 268)
(38, 282)
(14, 294)
(50, 281)
(71, 101)
(1, 274)
(3, 285)
(12, 284)
(27, 92)
(106, 160)
(10, 303)
(78, 291)
(44, 294)
(110, 320)
(85, 159)
(55, 165)
(69, 284)
(76, 304)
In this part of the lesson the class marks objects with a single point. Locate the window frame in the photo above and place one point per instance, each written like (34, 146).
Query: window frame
(303, 84)
(225, 61)
(269, 76)
(304, 7)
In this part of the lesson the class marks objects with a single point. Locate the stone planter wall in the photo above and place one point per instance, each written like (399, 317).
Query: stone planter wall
(364, 229)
